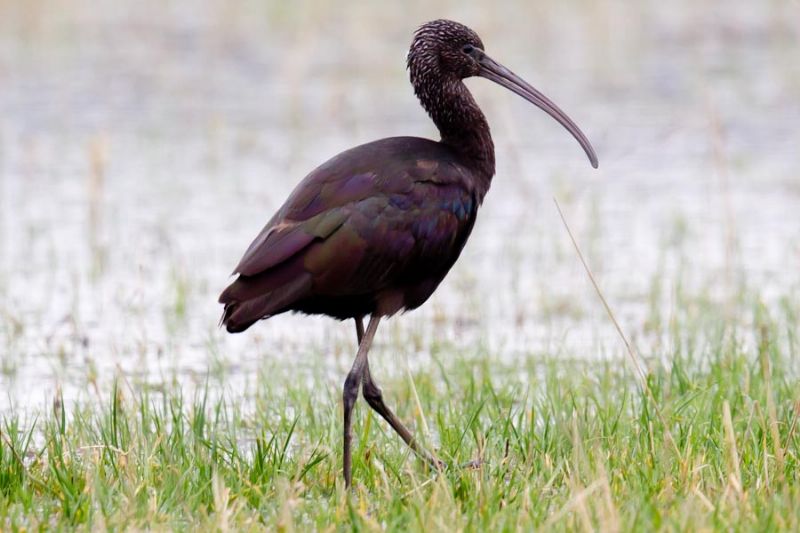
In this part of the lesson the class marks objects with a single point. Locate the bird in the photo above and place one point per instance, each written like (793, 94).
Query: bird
(373, 231)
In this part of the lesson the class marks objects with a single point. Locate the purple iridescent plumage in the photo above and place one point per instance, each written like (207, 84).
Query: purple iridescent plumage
(373, 230)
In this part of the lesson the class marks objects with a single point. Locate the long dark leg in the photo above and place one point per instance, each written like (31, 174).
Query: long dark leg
(359, 329)
(350, 394)
(372, 393)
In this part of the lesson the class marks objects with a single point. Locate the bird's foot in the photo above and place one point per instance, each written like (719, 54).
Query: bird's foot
(441, 466)
(437, 464)
(472, 465)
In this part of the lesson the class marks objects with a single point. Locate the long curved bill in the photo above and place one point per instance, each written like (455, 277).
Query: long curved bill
(492, 70)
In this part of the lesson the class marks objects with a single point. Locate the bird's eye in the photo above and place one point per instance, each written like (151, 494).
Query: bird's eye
(468, 48)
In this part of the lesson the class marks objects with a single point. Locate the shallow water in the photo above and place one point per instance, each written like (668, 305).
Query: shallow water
(142, 147)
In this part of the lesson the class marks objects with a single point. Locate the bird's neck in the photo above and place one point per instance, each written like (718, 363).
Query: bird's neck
(461, 123)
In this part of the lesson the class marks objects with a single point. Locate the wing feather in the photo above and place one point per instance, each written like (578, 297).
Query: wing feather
(371, 218)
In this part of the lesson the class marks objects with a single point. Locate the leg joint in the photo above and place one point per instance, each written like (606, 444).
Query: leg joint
(372, 393)
(350, 389)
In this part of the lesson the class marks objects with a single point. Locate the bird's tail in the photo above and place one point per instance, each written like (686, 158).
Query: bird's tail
(250, 298)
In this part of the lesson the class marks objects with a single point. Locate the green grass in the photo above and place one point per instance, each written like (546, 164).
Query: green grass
(567, 443)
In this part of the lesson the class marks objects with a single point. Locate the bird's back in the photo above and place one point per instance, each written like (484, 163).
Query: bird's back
(373, 230)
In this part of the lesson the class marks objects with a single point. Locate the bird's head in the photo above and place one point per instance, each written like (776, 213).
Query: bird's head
(445, 52)
(444, 48)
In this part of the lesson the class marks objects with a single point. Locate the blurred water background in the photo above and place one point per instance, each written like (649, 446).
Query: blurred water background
(144, 144)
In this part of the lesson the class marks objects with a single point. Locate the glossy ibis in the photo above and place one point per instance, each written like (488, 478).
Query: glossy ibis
(374, 230)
